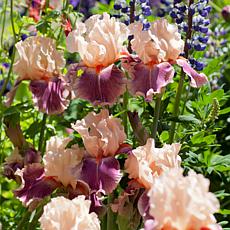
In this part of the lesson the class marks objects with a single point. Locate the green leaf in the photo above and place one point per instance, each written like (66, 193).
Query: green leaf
(224, 211)
(197, 138)
(164, 136)
(224, 111)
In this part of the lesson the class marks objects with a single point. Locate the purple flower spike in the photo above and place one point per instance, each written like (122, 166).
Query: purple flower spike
(35, 186)
(196, 79)
(102, 87)
(104, 174)
(148, 80)
(50, 96)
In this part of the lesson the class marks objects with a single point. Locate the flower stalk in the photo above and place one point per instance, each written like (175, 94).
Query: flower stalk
(125, 107)
(176, 109)
(42, 132)
(111, 224)
(13, 54)
(3, 22)
(156, 115)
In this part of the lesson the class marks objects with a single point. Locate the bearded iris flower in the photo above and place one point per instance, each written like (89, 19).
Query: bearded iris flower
(182, 202)
(99, 42)
(62, 213)
(157, 49)
(103, 136)
(147, 162)
(41, 64)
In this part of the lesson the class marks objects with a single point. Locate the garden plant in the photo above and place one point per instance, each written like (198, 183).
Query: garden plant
(115, 115)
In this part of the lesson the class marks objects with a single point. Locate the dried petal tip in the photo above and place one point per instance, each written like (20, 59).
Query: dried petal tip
(50, 96)
(226, 13)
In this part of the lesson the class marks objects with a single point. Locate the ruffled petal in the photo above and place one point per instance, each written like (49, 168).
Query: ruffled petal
(148, 80)
(104, 174)
(34, 185)
(99, 88)
(50, 96)
(196, 79)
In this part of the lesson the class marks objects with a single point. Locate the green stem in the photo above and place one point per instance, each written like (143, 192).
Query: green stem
(66, 4)
(3, 22)
(13, 54)
(111, 224)
(125, 109)
(41, 137)
(186, 98)
(8, 75)
(38, 214)
(12, 19)
(23, 221)
(47, 6)
(176, 109)
(217, 8)
(156, 115)
(182, 77)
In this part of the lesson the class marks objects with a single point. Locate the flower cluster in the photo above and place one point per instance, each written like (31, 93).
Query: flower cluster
(80, 174)
(72, 168)
(142, 10)
(100, 43)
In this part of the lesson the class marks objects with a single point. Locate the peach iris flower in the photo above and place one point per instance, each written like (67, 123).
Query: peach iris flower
(99, 42)
(38, 59)
(40, 62)
(61, 163)
(178, 202)
(64, 214)
(148, 162)
(157, 49)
